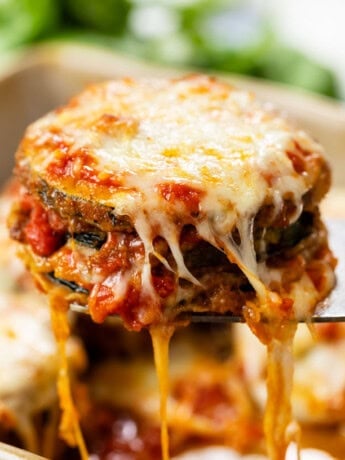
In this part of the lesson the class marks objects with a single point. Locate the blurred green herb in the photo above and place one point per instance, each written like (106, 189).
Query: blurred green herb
(22, 21)
(292, 67)
(104, 16)
(226, 35)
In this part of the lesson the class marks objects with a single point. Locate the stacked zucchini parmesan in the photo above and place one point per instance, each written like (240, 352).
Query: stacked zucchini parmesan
(153, 199)
(150, 198)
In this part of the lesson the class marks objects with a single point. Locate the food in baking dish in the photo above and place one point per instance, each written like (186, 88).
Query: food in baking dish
(155, 198)
(28, 360)
(221, 453)
(318, 393)
(145, 198)
(210, 402)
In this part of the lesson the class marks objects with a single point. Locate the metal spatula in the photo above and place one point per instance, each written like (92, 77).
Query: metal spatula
(331, 309)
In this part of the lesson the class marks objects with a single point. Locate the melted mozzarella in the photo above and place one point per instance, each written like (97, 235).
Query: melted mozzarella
(29, 363)
(211, 453)
(28, 359)
(13, 275)
(26, 347)
(193, 131)
(132, 385)
(318, 394)
(223, 453)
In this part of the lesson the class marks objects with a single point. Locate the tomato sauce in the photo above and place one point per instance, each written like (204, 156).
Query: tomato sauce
(38, 231)
(182, 193)
(80, 165)
(110, 432)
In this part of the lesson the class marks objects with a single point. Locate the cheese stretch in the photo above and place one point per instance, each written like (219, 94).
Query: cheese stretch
(169, 153)
(165, 173)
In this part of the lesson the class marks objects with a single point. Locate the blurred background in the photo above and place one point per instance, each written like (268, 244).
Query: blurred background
(297, 42)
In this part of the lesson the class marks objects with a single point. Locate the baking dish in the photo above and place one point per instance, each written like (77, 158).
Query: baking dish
(45, 77)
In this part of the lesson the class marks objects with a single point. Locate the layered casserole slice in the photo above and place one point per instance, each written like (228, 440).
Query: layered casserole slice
(151, 199)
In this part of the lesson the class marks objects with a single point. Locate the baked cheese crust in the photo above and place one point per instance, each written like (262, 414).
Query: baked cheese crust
(144, 164)
(154, 197)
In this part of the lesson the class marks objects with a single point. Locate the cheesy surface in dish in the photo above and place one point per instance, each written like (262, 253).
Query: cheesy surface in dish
(318, 395)
(28, 360)
(221, 453)
(212, 412)
(151, 199)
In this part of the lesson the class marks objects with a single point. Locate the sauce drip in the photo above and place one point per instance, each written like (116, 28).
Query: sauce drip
(161, 335)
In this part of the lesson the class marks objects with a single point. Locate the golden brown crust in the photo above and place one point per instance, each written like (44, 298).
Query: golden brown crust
(65, 150)
(127, 164)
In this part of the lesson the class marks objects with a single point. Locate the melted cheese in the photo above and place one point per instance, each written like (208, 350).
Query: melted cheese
(194, 132)
(13, 276)
(69, 426)
(278, 425)
(29, 364)
(207, 399)
(318, 394)
(160, 340)
(223, 453)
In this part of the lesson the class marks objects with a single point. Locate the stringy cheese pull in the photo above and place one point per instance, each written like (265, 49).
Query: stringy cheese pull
(144, 160)
(69, 425)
